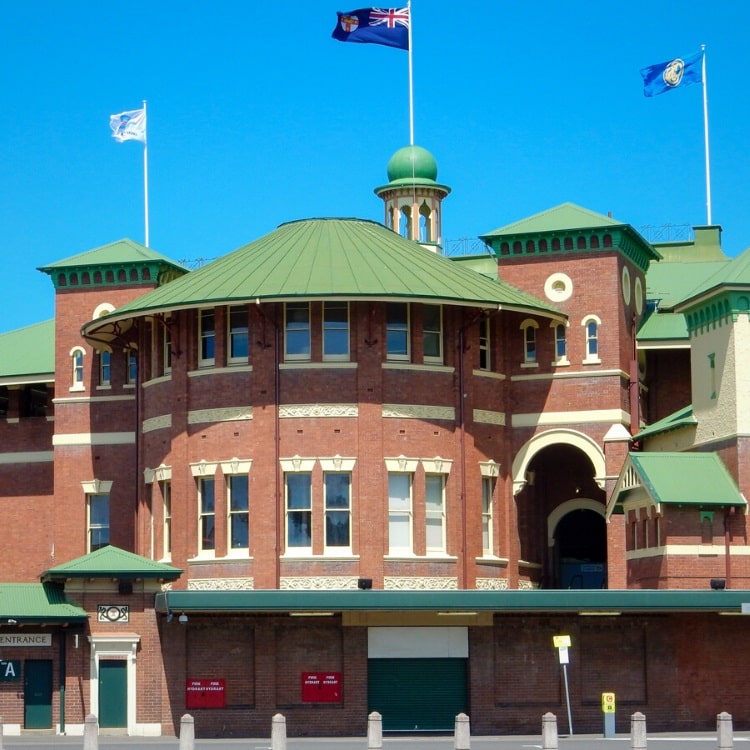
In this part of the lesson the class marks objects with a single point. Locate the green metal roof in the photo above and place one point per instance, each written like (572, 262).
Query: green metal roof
(115, 253)
(331, 258)
(507, 602)
(111, 562)
(562, 217)
(734, 275)
(663, 328)
(671, 282)
(28, 354)
(681, 418)
(693, 479)
(37, 602)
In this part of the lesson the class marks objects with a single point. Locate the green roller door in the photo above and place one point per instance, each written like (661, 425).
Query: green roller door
(417, 695)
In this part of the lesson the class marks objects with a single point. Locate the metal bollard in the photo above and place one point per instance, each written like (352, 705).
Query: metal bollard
(638, 740)
(187, 732)
(549, 731)
(462, 733)
(374, 731)
(724, 731)
(278, 732)
(1, 733)
(91, 733)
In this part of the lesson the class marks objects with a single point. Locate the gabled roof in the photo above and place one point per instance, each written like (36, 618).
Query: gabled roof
(681, 418)
(663, 330)
(700, 480)
(733, 275)
(669, 283)
(121, 251)
(564, 216)
(111, 562)
(37, 602)
(27, 355)
(327, 259)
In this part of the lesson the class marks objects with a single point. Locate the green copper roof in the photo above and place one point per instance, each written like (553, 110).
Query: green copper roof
(564, 216)
(734, 274)
(332, 258)
(663, 328)
(669, 283)
(410, 162)
(36, 602)
(681, 418)
(503, 602)
(697, 479)
(111, 562)
(28, 354)
(122, 251)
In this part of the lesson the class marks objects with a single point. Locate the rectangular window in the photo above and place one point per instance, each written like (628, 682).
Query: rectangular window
(335, 330)
(561, 343)
(206, 514)
(238, 503)
(432, 333)
(98, 508)
(239, 338)
(299, 510)
(297, 330)
(167, 350)
(484, 344)
(397, 330)
(399, 514)
(105, 368)
(337, 488)
(435, 512)
(529, 343)
(166, 498)
(488, 488)
(207, 354)
(131, 372)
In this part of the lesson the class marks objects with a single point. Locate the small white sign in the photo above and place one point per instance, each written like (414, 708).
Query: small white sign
(563, 651)
(10, 640)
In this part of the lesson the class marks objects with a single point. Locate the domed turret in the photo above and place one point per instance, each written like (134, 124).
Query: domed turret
(413, 191)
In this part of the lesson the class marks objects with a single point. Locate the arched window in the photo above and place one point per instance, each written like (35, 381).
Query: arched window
(105, 368)
(581, 243)
(77, 354)
(425, 223)
(529, 327)
(591, 324)
(561, 344)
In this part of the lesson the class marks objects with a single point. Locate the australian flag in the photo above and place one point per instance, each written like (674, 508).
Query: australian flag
(387, 26)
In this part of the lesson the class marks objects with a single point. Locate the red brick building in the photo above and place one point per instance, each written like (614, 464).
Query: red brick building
(335, 471)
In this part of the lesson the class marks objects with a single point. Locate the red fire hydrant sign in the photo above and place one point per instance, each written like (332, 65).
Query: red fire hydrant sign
(205, 694)
(321, 687)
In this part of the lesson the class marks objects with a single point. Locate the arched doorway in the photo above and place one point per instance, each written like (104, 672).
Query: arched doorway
(579, 546)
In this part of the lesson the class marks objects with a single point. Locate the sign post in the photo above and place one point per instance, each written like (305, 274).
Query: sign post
(608, 709)
(562, 644)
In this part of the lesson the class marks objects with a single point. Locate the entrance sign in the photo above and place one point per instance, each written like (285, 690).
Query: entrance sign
(25, 639)
(205, 694)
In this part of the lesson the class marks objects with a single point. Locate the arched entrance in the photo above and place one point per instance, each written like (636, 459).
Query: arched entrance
(577, 538)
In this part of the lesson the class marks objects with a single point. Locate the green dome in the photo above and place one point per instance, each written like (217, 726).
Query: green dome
(412, 162)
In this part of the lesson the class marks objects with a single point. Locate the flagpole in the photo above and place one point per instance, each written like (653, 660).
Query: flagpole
(145, 176)
(705, 138)
(411, 84)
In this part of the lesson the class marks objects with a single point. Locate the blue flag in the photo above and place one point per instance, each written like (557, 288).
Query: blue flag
(387, 26)
(672, 74)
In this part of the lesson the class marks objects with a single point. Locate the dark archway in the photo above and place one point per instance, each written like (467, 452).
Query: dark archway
(581, 550)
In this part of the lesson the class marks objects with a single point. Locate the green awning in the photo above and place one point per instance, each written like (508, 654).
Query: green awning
(29, 603)
(112, 562)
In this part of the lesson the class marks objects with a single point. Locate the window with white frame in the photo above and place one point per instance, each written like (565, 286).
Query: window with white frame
(591, 325)
(338, 510)
(397, 330)
(105, 368)
(297, 330)
(131, 371)
(238, 334)
(166, 498)
(400, 513)
(488, 490)
(207, 338)
(336, 330)
(167, 363)
(76, 358)
(484, 344)
(561, 344)
(432, 333)
(238, 505)
(435, 512)
(98, 526)
(529, 328)
(206, 514)
(298, 492)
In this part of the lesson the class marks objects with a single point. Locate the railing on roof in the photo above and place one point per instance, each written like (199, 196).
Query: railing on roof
(466, 246)
(667, 232)
(195, 263)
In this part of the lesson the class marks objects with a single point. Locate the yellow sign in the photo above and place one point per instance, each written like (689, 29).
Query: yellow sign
(561, 641)
(608, 703)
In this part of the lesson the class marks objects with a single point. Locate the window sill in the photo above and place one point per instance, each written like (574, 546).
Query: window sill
(212, 370)
(326, 557)
(561, 363)
(492, 560)
(596, 361)
(326, 365)
(488, 374)
(405, 365)
(160, 379)
(411, 557)
(528, 365)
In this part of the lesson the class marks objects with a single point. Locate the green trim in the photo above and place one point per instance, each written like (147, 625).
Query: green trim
(717, 310)
(501, 602)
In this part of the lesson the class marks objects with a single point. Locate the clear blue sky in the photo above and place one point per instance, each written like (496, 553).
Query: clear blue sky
(256, 117)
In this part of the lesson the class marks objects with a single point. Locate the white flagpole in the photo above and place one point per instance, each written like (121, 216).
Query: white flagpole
(145, 176)
(705, 138)
(411, 84)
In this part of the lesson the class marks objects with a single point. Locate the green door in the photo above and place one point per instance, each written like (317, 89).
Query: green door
(113, 693)
(37, 694)
(417, 695)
